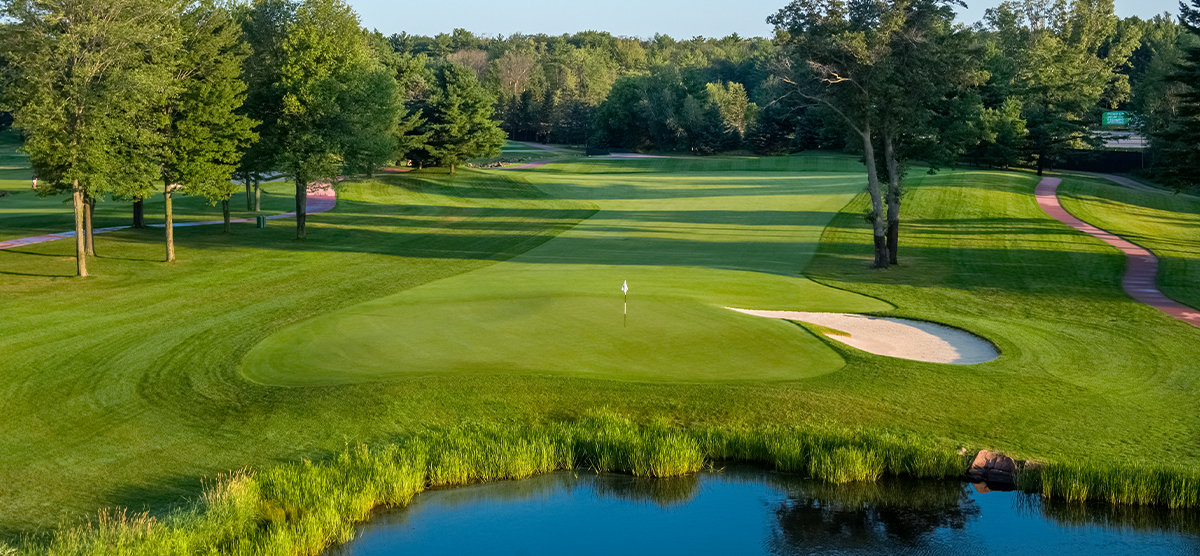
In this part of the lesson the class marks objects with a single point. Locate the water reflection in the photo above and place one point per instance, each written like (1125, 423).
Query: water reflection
(827, 518)
(751, 511)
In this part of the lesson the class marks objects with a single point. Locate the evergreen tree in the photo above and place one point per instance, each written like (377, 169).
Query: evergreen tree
(1177, 139)
(1002, 135)
(459, 121)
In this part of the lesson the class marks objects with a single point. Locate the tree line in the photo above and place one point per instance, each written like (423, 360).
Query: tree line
(138, 96)
(898, 81)
(126, 98)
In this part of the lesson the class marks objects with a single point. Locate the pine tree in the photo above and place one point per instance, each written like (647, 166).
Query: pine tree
(459, 119)
(1177, 162)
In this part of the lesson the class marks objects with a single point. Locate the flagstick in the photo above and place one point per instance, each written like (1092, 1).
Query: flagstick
(625, 322)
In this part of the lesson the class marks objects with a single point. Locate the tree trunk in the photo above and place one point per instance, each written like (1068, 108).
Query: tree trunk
(880, 229)
(301, 205)
(169, 222)
(249, 199)
(1039, 164)
(139, 214)
(257, 197)
(452, 169)
(80, 253)
(89, 246)
(225, 212)
(893, 199)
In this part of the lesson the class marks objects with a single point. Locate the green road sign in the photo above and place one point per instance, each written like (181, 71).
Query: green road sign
(1115, 118)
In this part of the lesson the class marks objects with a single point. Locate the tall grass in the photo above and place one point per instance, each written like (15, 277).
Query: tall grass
(302, 508)
(834, 454)
(1115, 483)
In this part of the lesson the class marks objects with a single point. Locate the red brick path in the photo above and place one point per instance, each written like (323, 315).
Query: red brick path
(1142, 271)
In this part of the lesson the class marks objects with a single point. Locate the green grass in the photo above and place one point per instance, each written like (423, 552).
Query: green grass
(23, 213)
(128, 388)
(558, 309)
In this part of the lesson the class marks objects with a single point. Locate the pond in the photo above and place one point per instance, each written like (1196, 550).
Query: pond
(752, 511)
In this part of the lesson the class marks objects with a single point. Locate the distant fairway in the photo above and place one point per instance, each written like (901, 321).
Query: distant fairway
(689, 243)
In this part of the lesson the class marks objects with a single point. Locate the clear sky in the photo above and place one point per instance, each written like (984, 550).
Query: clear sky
(679, 18)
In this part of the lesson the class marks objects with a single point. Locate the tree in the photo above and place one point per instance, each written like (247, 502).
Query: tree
(475, 60)
(737, 112)
(264, 25)
(1168, 102)
(1002, 135)
(923, 102)
(832, 54)
(1061, 62)
(83, 80)
(203, 134)
(459, 121)
(334, 98)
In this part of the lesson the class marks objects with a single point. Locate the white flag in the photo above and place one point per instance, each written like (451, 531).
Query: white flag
(625, 286)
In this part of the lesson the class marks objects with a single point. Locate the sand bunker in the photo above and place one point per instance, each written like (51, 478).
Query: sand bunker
(906, 339)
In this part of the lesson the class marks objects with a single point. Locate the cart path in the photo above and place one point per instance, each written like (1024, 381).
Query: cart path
(1140, 275)
(320, 199)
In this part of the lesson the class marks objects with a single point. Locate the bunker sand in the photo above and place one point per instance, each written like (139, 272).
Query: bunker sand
(903, 338)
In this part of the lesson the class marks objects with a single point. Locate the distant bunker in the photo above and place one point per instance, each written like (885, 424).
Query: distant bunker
(893, 337)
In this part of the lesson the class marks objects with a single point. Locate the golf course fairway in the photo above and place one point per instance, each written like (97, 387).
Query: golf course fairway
(687, 247)
(425, 301)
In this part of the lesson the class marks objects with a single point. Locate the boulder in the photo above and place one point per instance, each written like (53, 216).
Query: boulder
(992, 467)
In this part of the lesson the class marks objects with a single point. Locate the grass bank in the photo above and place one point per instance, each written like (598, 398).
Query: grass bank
(304, 507)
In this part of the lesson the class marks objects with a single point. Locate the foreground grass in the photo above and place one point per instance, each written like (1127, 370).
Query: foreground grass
(304, 507)
(126, 390)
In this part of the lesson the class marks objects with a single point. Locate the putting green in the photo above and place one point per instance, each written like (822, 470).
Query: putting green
(689, 244)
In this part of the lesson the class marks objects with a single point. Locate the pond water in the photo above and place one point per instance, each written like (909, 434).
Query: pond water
(752, 511)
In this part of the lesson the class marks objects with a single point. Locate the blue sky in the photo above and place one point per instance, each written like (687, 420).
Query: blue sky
(678, 18)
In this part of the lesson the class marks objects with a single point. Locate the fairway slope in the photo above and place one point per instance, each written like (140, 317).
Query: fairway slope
(1142, 273)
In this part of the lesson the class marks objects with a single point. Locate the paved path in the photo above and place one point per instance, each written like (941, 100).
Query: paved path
(320, 199)
(1142, 271)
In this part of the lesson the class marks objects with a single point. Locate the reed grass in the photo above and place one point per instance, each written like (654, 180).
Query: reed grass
(304, 507)
(836, 454)
(1120, 484)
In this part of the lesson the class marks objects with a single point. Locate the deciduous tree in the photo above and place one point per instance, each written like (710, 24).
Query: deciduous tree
(83, 77)
(334, 97)
(204, 136)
